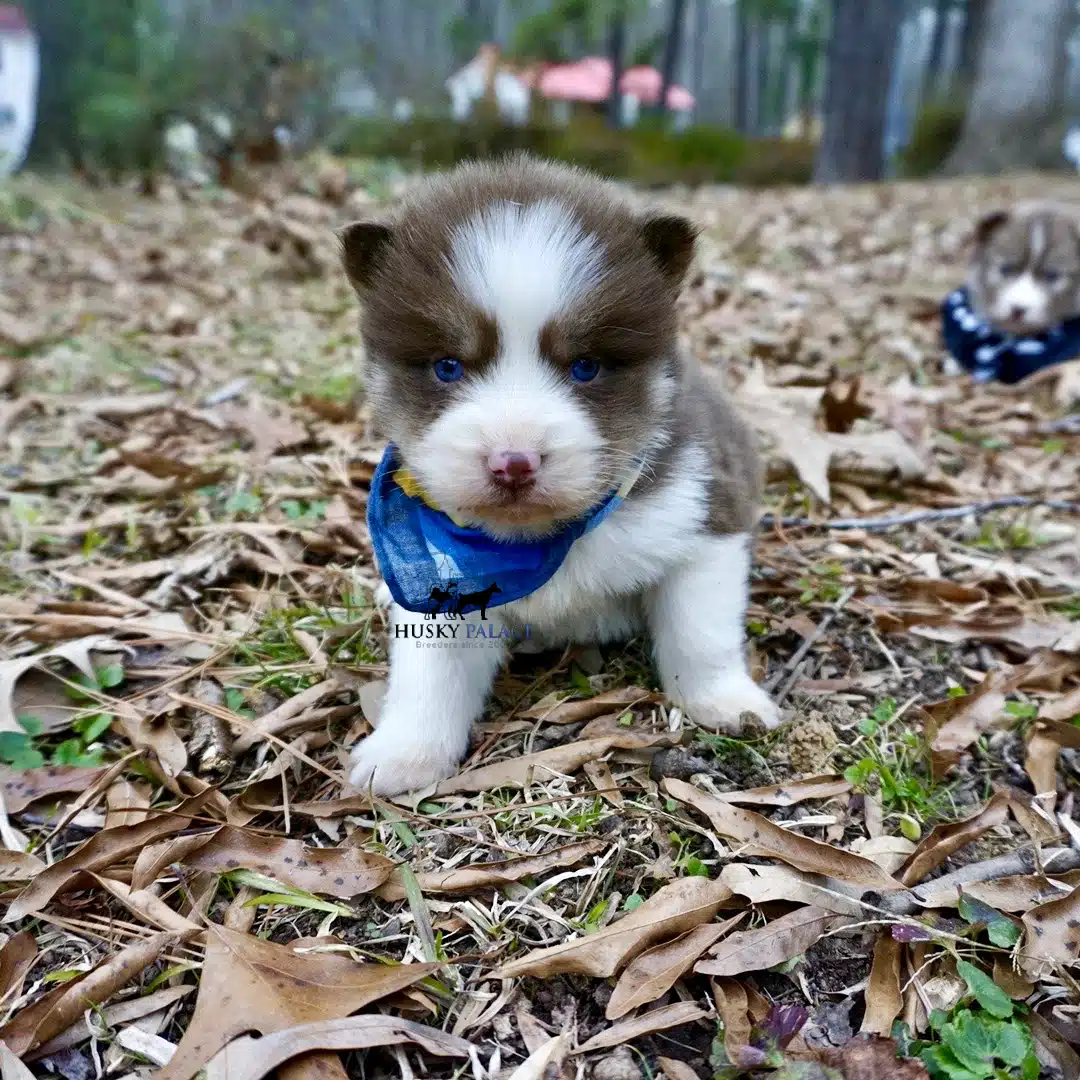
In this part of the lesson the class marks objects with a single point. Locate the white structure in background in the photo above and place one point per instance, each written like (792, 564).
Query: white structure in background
(18, 87)
(1070, 147)
(512, 92)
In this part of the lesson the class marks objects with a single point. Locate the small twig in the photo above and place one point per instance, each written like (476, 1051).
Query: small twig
(794, 665)
(916, 516)
(1055, 861)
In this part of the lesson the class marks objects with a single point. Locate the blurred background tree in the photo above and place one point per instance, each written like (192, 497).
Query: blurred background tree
(369, 76)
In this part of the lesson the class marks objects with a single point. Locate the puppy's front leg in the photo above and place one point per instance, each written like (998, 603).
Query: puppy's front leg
(696, 617)
(437, 688)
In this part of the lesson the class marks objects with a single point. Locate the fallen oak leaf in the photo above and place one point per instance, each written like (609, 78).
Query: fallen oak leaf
(76, 653)
(58, 1010)
(557, 708)
(734, 1008)
(16, 959)
(671, 910)
(542, 766)
(252, 985)
(249, 1058)
(1051, 936)
(953, 724)
(1064, 708)
(545, 1060)
(768, 884)
(652, 974)
(19, 865)
(21, 788)
(493, 874)
(775, 943)
(873, 1058)
(884, 996)
(797, 791)
(1018, 892)
(342, 871)
(100, 852)
(769, 839)
(945, 840)
(667, 1016)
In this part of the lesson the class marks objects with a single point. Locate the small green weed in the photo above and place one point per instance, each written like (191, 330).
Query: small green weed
(983, 1038)
(822, 584)
(897, 764)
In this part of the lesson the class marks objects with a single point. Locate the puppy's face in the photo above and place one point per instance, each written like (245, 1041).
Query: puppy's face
(1025, 276)
(519, 325)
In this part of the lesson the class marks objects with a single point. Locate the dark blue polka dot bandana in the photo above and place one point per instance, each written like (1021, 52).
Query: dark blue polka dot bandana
(991, 355)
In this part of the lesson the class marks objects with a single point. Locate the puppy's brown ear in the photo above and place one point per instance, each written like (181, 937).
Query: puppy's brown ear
(670, 240)
(989, 224)
(363, 243)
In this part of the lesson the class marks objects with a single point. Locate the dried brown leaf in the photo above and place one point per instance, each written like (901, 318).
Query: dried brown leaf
(872, 1059)
(556, 708)
(11, 1068)
(945, 840)
(541, 767)
(20, 789)
(251, 1058)
(19, 865)
(58, 1010)
(667, 1016)
(1051, 936)
(768, 884)
(955, 723)
(812, 787)
(654, 972)
(253, 985)
(734, 1009)
(775, 943)
(99, 853)
(493, 874)
(342, 871)
(884, 998)
(672, 910)
(545, 1060)
(16, 959)
(769, 839)
(1064, 708)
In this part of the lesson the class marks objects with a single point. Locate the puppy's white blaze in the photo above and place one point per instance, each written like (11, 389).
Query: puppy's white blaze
(1025, 292)
(523, 265)
(1039, 240)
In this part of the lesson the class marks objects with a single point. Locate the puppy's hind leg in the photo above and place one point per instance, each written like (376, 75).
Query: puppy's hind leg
(696, 618)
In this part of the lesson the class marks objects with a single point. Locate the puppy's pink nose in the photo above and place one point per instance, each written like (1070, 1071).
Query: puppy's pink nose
(513, 468)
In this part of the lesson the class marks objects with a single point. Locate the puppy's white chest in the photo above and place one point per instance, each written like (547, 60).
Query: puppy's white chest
(596, 593)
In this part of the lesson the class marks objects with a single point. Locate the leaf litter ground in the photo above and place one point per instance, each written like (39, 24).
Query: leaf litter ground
(189, 647)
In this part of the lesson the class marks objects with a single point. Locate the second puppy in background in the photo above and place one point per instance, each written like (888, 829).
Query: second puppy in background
(1025, 274)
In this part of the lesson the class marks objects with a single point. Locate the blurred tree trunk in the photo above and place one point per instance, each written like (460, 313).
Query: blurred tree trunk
(970, 42)
(742, 67)
(1015, 115)
(861, 54)
(672, 48)
(616, 49)
(701, 32)
(935, 60)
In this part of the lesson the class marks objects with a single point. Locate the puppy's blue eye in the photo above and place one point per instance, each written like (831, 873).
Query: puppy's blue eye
(1009, 270)
(584, 369)
(1051, 277)
(449, 369)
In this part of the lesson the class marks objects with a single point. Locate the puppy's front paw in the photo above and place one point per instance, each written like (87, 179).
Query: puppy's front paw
(388, 763)
(722, 703)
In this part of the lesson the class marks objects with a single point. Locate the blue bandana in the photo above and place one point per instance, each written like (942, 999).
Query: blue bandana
(989, 354)
(434, 565)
